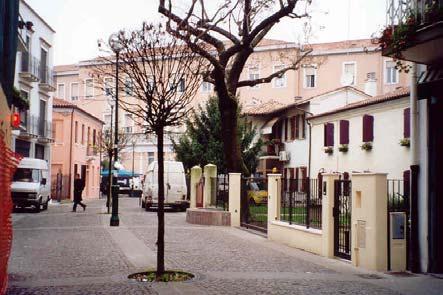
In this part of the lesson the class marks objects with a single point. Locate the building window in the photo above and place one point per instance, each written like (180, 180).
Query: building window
(83, 134)
(391, 73)
(150, 157)
(89, 88)
(254, 74)
(107, 87)
(344, 132)
(349, 73)
(206, 86)
(74, 91)
(61, 91)
(76, 132)
(129, 122)
(368, 128)
(328, 134)
(310, 74)
(129, 87)
(279, 82)
(88, 137)
(181, 85)
(94, 137)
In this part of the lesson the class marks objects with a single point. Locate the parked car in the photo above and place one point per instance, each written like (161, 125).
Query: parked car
(124, 181)
(256, 194)
(175, 186)
(30, 185)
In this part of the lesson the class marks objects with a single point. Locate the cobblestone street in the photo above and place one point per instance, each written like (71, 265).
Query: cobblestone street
(60, 252)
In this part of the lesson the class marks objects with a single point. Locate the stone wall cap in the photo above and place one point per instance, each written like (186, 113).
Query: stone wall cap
(331, 174)
(368, 173)
(274, 174)
(210, 165)
(234, 173)
(196, 167)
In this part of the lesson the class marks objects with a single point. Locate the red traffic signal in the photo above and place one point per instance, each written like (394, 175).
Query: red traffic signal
(15, 120)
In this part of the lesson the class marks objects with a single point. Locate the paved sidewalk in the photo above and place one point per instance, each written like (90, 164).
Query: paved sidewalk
(59, 252)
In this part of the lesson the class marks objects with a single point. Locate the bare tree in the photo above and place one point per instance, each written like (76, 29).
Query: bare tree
(165, 75)
(231, 29)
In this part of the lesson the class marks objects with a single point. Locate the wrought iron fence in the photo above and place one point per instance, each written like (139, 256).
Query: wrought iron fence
(301, 202)
(255, 191)
(222, 191)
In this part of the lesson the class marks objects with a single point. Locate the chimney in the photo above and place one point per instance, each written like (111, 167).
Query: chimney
(371, 84)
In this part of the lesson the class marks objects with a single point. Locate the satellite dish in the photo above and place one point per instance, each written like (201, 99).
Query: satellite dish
(347, 79)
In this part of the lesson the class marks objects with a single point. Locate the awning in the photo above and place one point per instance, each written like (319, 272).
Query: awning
(429, 83)
(267, 128)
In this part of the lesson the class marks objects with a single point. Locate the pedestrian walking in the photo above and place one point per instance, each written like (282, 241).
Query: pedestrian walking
(79, 186)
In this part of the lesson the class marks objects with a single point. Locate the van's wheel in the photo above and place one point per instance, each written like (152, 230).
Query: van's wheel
(38, 206)
(45, 205)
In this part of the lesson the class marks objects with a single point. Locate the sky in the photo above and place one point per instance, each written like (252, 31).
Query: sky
(80, 23)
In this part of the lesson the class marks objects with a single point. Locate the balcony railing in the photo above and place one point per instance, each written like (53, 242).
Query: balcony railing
(30, 66)
(424, 11)
(44, 129)
(46, 79)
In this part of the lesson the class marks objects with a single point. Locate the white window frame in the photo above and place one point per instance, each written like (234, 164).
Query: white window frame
(256, 69)
(208, 89)
(64, 90)
(284, 77)
(385, 73)
(105, 85)
(355, 70)
(314, 67)
(86, 88)
(78, 91)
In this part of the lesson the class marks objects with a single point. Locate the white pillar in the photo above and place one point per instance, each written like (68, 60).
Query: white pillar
(210, 173)
(196, 174)
(327, 213)
(234, 198)
(274, 197)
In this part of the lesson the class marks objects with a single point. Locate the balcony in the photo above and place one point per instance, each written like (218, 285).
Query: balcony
(414, 31)
(29, 70)
(44, 131)
(28, 126)
(46, 79)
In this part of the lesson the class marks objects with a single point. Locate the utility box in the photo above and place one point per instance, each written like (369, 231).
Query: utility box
(397, 241)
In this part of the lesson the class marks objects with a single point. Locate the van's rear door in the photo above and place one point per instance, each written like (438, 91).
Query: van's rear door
(175, 181)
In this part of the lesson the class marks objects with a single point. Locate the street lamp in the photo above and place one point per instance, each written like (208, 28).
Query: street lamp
(116, 46)
(108, 199)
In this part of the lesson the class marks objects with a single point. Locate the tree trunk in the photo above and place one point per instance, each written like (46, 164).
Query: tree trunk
(161, 206)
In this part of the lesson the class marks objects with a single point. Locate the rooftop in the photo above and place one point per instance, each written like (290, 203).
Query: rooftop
(61, 103)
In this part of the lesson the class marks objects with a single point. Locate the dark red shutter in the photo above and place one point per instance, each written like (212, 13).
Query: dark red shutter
(286, 129)
(407, 123)
(303, 172)
(368, 128)
(344, 132)
(296, 182)
(297, 126)
(406, 183)
(330, 134)
(325, 131)
(303, 126)
(291, 179)
(292, 123)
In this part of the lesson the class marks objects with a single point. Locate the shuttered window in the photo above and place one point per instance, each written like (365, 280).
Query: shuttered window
(368, 128)
(293, 128)
(344, 132)
(329, 134)
(297, 126)
(286, 129)
(303, 126)
(407, 123)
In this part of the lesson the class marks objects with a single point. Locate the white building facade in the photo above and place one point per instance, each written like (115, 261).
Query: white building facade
(33, 81)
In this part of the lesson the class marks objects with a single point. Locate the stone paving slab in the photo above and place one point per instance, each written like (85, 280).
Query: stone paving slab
(59, 252)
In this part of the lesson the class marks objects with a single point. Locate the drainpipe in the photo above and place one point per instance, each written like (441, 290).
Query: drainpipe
(414, 249)
(70, 153)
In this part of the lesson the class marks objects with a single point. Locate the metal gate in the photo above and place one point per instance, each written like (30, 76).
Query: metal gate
(398, 201)
(342, 219)
(254, 203)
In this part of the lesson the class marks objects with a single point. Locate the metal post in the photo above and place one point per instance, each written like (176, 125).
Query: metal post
(133, 162)
(108, 201)
(115, 221)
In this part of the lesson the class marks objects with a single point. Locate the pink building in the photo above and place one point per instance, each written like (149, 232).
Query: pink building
(76, 136)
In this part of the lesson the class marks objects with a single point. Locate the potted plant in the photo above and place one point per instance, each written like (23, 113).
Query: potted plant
(405, 142)
(366, 146)
(329, 150)
(18, 100)
(343, 148)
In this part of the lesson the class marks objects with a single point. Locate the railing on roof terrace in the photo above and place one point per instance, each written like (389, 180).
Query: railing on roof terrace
(425, 11)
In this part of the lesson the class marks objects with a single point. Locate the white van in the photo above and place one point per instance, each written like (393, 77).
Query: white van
(175, 186)
(30, 185)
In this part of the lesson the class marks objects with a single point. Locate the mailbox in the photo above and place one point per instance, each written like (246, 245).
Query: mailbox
(397, 241)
